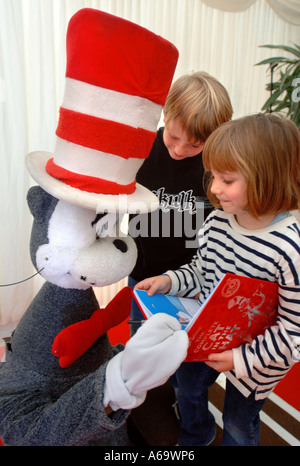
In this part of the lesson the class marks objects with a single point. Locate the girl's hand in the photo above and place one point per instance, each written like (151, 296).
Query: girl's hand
(159, 284)
(221, 362)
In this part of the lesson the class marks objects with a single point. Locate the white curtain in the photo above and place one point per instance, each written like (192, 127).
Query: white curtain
(221, 37)
(288, 10)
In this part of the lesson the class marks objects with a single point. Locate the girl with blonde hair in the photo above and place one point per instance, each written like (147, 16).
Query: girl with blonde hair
(253, 170)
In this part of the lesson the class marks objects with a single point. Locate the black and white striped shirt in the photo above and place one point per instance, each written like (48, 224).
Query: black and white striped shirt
(271, 253)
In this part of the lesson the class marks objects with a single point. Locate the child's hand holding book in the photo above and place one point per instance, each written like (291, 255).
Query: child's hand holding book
(221, 362)
(159, 284)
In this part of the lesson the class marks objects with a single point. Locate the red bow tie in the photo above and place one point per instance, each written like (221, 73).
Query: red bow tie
(73, 341)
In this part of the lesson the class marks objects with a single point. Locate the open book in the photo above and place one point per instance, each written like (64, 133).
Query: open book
(236, 311)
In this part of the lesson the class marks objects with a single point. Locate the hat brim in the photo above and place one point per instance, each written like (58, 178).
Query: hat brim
(141, 201)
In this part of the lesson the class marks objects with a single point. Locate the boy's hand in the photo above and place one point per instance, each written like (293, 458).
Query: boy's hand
(221, 362)
(159, 284)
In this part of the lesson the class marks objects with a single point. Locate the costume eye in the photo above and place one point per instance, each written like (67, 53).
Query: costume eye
(97, 218)
(106, 224)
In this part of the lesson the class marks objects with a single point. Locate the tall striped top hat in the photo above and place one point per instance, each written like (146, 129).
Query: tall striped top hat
(118, 75)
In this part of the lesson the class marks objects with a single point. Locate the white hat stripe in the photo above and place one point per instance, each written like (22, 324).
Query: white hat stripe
(107, 104)
(90, 162)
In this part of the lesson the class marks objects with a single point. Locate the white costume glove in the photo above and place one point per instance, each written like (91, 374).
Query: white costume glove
(150, 357)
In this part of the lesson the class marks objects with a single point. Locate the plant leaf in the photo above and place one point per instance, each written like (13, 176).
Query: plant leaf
(282, 100)
(293, 51)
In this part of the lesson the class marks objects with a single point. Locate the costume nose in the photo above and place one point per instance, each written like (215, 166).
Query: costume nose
(119, 244)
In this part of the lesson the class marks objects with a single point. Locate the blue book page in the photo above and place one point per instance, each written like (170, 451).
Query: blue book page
(171, 305)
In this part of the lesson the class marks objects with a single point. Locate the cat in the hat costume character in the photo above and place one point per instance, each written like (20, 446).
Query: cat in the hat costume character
(118, 75)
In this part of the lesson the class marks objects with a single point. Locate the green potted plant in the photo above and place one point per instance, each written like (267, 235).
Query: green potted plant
(285, 92)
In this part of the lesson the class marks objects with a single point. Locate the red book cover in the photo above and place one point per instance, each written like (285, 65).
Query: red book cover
(237, 310)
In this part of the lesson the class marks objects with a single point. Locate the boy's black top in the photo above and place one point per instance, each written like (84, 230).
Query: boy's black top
(167, 238)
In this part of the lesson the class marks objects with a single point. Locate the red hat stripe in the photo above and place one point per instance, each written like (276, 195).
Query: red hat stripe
(88, 183)
(107, 136)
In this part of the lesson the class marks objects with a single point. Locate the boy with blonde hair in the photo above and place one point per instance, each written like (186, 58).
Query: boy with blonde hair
(201, 104)
(196, 105)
